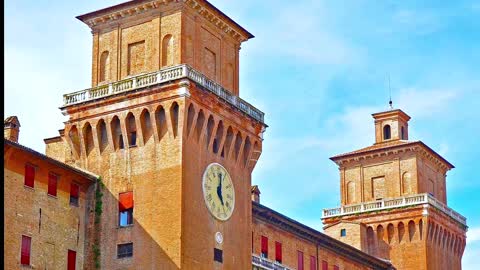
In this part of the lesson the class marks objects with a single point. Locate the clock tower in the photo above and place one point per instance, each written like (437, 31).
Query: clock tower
(165, 128)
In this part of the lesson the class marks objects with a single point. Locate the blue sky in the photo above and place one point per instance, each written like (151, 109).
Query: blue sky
(318, 69)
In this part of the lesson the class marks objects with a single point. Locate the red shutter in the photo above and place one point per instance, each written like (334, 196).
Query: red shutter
(265, 245)
(74, 190)
(324, 265)
(278, 252)
(52, 184)
(25, 254)
(313, 263)
(300, 260)
(72, 260)
(29, 175)
(125, 201)
(335, 267)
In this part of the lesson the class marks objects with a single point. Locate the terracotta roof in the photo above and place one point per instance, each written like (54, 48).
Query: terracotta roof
(390, 145)
(11, 119)
(91, 176)
(375, 147)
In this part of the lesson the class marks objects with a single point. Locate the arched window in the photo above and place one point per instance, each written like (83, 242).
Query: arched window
(386, 132)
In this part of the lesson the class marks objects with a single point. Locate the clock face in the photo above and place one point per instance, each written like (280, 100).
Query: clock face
(218, 191)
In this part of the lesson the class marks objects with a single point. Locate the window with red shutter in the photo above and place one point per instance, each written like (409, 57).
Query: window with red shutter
(29, 175)
(52, 184)
(125, 208)
(72, 260)
(300, 259)
(313, 263)
(25, 253)
(335, 267)
(324, 265)
(264, 252)
(278, 252)
(74, 192)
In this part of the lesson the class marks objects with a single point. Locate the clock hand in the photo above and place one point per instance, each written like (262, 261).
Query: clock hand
(219, 188)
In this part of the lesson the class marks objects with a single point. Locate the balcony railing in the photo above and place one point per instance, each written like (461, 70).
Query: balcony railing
(410, 200)
(266, 264)
(158, 77)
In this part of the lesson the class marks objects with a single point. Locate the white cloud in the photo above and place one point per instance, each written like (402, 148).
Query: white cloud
(470, 260)
(473, 235)
(425, 103)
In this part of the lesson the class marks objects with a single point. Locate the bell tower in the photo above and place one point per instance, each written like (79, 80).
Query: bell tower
(163, 106)
(394, 202)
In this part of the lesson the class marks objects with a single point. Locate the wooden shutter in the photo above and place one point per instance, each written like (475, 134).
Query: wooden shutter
(74, 190)
(324, 265)
(29, 175)
(52, 184)
(265, 245)
(278, 252)
(313, 263)
(125, 201)
(72, 259)
(25, 253)
(300, 260)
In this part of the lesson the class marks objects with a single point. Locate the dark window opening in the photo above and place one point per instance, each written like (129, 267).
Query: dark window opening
(133, 138)
(215, 146)
(125, 250)
(120, 142)
(125, 208)
(29, 175)
(25, 252)
(74, 190)
(403, 133)
(343, 232)
(386, 132)
(218, 255)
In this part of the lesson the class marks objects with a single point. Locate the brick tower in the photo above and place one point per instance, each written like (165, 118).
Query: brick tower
(394, 201)
(164, 104)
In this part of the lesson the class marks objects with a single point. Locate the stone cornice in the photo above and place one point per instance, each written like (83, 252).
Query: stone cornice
(201, 7)
(418, 147)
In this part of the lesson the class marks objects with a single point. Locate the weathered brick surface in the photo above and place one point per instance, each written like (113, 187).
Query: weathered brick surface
(54, 225)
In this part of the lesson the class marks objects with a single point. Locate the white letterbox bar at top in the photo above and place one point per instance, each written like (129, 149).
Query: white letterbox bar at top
(158, 77)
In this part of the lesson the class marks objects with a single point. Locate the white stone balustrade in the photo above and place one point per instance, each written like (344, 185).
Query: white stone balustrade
(392, 203)
(266, 264)
(158, 77)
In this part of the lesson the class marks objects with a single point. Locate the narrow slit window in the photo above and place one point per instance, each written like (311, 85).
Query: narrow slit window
(343, 232)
